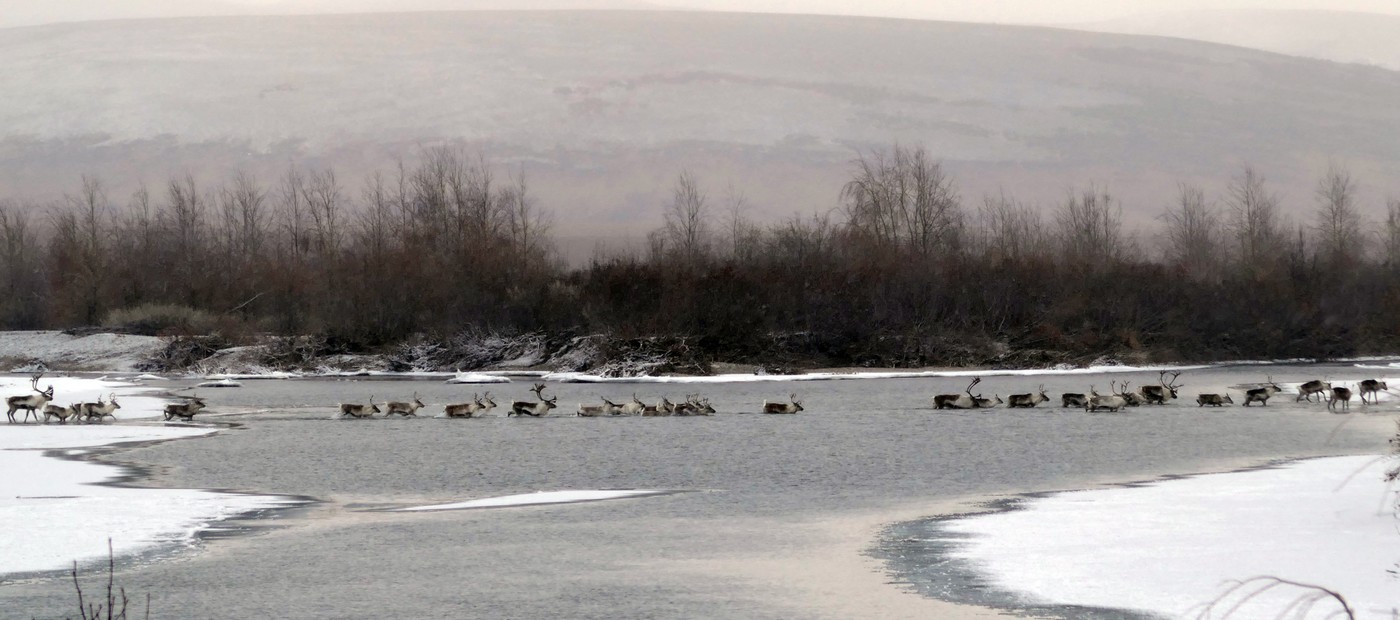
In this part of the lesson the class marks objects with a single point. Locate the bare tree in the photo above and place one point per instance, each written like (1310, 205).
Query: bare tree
(904, 198)
(687, 219)
(1340, 241)
(1193, 235)
(1009, 232)
(1390, 235)
(1254, 222)
(1091, 229)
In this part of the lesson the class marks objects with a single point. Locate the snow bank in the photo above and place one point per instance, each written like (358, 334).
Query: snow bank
(134, 399)
(578, 377)
(1172, 547)
(477, 377)
(97, 352)
(78, 515)
(536, 499)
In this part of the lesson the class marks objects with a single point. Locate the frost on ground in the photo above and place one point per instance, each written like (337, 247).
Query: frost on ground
(58, 491)
(1173, 547)
(25, 350)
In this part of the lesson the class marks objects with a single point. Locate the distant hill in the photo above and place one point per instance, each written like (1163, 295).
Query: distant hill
(603, 109)
(1365, 38)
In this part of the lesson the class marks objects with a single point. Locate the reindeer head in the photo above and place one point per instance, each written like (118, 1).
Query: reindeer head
(797, 404)
(112, 401)
(486, 399)
(1170, 384)
(416, 402)
(1041, 388)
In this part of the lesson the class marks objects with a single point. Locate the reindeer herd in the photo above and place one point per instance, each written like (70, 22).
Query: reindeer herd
(480, 405)
(1338, 398)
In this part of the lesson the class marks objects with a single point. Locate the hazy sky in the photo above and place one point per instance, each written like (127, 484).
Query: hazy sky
(30, 12)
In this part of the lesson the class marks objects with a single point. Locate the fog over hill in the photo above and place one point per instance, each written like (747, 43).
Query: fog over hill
(1366, 38)
(603, 109)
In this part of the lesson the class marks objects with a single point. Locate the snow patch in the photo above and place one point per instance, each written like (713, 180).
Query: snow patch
(477, 377)
(1329, 522)
(536, 499)
(53, 349)
(56, 491)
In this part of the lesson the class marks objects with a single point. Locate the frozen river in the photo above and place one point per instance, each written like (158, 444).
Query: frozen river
(757, 517)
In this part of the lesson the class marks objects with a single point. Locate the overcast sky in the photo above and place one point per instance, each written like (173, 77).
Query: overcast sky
(30, 12)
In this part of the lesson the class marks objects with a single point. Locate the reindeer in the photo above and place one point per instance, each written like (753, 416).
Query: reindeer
(406, 410)
(703, 407)
(1262, 394)
(635, 406)
(1214, 400)
(592, 411)
(694, 405)
(958, 401)
(1342, 394)
(185, 411)
(1027, 400)
(467, 410)
(355, 410)
(1112, 402)
(1316, 386)
(792, 406)
(32, 403)
(1158, 394)
(1374, 388)
(1133, 399)
(1070, 399)
(988, 403)
(534, 410)
(62, 413)
(662, 408)
(99, 409)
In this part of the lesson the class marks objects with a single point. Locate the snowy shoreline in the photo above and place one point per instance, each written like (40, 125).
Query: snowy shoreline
(93, 501)
(1168, 547)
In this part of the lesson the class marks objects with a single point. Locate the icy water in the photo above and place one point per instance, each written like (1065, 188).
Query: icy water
(749, 489)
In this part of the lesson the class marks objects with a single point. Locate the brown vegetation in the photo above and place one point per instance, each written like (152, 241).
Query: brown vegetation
(904, 274)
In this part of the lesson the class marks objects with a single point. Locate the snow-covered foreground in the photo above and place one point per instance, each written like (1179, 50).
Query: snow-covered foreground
(1173, 547)
(537, 499)
(58, 511)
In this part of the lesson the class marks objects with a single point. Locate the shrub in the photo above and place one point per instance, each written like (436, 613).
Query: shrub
(161, 319)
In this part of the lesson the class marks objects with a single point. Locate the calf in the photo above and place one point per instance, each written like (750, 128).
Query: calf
(1374, 388)
(1316, 386)
(1342, 395)
(186, 410)
(1214, 400)
(61, 413)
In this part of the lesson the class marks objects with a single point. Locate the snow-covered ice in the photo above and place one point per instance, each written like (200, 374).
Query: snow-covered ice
(1172, 547)
(477, 377)
(536, 499)
(578, 377)
(63, 510)
(220, 383)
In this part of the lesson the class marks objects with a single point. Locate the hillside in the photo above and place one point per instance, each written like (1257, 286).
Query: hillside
(602, 109)
(1364, 38)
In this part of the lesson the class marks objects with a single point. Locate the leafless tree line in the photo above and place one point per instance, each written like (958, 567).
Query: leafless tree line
(448, 244)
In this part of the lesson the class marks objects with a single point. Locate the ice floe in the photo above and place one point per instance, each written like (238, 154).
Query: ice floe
(537, 499)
